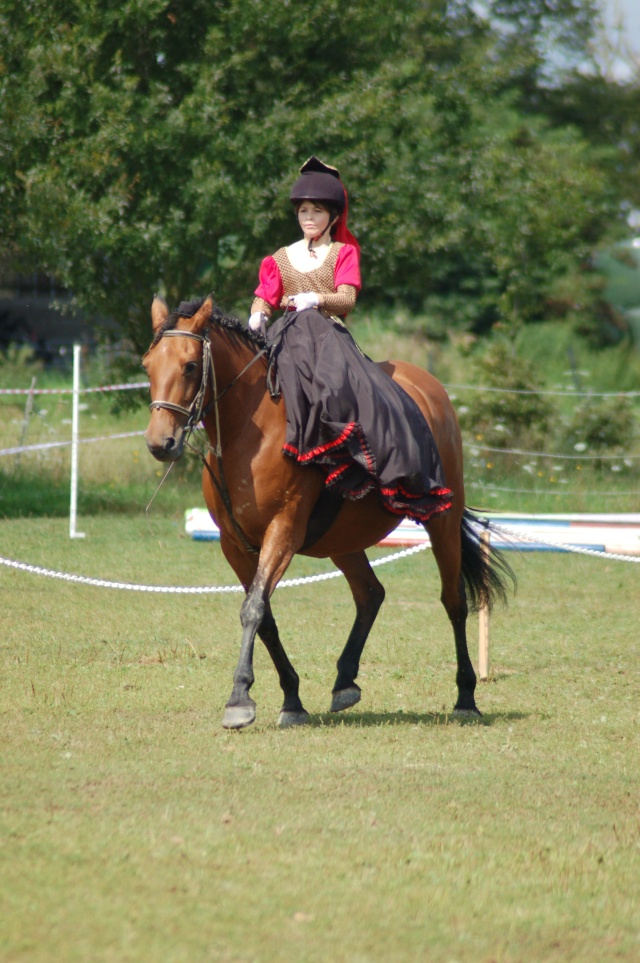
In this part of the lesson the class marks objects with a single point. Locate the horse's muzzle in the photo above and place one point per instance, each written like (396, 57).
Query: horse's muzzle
(165, 447)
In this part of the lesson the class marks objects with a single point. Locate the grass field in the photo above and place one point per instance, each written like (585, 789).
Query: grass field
(133, 828)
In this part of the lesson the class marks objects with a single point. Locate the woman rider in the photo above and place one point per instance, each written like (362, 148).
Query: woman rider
(344, 414)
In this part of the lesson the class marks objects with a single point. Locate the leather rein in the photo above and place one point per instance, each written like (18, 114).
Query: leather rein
(197, 411)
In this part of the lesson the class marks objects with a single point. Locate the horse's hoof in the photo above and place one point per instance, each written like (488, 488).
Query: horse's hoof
(461, 713)
(288, 719)
(345, 698)
(238, 717)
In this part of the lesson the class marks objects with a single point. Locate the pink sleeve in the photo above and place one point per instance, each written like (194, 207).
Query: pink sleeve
(348, 267)
(270, 283)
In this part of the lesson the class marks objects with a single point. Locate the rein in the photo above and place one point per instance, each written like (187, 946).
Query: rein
(197, 411)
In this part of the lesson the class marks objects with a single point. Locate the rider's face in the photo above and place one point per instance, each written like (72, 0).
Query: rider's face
(313, 219)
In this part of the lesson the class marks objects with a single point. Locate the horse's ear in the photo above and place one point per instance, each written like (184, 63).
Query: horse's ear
(203, 315)
(159, 312)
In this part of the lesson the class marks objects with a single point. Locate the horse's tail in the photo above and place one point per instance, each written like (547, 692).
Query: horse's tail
(485, 570)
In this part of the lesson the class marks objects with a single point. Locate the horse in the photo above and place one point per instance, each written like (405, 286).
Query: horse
(210, 369)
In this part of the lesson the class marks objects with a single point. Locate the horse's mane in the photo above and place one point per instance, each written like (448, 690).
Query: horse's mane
(187, 309)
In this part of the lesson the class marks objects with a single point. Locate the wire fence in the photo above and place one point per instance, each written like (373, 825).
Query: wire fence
(105, 583)
(561, 393)
(473, 445)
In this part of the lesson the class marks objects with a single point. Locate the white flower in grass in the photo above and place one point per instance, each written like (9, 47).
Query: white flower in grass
(528, 468)
(580, 446)
(616, 468)
(628, 462)
(558, 467)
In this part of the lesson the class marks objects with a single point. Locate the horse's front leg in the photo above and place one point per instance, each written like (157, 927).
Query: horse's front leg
(240, 710)
(255, 615)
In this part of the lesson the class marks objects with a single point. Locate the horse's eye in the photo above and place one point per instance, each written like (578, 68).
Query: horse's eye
(190, 368)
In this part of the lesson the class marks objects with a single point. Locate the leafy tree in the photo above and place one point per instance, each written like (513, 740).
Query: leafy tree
(151, 146)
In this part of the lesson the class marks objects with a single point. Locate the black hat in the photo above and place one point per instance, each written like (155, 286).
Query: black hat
(319, 182)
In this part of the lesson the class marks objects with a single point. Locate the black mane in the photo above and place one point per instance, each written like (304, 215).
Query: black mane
(187, 309)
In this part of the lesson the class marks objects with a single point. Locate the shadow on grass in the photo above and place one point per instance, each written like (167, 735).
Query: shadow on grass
(371, 719)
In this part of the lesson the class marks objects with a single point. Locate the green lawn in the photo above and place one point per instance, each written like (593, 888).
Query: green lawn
(133, 828)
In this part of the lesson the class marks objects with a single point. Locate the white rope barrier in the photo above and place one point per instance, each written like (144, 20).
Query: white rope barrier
(18, 450)
(574, 549)
(508, 391)
(69, 391)
(545, 491)
(63, 444)
(292, 582)
(559, 393)
(190, 590)
(544, 454)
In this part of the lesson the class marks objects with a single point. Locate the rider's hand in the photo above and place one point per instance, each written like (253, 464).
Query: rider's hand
(307, 300)
(257, 321)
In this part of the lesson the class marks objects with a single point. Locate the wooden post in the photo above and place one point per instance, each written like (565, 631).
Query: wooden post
(483, 619)
(28, 408)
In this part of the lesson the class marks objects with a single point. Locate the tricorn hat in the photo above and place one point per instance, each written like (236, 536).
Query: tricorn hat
(321, 182)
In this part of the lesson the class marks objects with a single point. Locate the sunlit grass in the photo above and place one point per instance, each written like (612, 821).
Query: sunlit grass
(134, 828)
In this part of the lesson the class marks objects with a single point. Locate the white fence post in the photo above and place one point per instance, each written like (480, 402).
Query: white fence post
(73, 511)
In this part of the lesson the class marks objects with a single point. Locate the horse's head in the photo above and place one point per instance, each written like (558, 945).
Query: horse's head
(174, 364)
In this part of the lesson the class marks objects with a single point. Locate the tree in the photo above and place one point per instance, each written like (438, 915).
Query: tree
(151, 146)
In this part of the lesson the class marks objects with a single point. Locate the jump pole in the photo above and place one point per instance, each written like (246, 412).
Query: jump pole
(483, 619)
(73, 510)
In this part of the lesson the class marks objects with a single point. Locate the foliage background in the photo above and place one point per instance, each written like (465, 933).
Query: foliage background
(150, 146)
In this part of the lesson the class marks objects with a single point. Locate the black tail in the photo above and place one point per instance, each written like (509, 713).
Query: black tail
(486, 573)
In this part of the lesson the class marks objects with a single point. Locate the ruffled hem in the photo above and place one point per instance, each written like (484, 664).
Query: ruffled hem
(344, 477)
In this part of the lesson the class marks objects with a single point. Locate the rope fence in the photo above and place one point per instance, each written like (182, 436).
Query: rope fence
(65, 444)
(558, 393)
(130, 386)
(191, 590)
(513, 534)
(69, 391)
(545, 454)
(545, 491)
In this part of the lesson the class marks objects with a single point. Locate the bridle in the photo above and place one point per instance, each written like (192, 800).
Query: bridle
(197, 411)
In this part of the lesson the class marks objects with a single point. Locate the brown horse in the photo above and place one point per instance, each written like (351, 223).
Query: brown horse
(206, 367)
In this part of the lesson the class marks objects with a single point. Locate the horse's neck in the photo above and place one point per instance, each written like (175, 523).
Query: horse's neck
(238, 379)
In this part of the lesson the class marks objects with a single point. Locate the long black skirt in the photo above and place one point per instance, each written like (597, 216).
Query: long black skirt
(348, 418)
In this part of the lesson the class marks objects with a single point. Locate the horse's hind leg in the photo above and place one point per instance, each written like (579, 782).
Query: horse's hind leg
(293, 712)
(445, 534)
(368, 595)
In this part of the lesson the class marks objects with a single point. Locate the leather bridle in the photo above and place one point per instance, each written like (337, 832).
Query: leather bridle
(197, 411)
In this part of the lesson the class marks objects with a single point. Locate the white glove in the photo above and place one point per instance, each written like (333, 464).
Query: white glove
(303, 301)
(257, 320)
